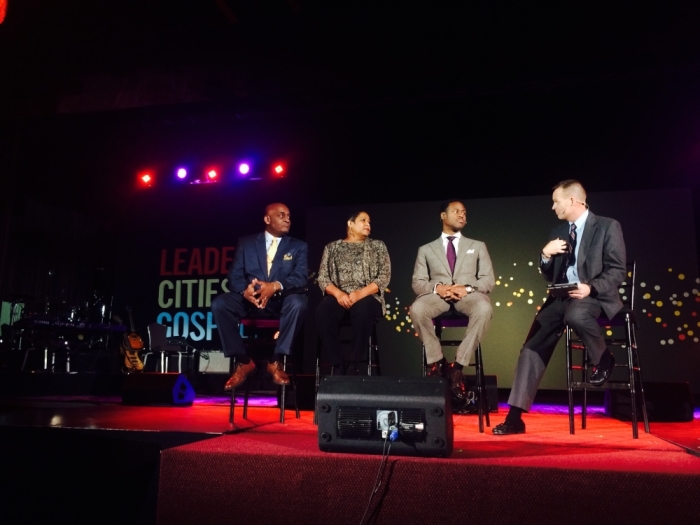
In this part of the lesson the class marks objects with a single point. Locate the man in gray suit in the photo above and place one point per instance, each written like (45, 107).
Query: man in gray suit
(452, 273)
(587, 250)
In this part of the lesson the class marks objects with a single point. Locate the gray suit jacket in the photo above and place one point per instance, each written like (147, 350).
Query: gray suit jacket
(601, 260)
(473, 267)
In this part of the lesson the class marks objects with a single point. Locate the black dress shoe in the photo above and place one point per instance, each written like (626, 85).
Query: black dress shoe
(457, 386)
(435, 369)
(506, 428)
(601, 374)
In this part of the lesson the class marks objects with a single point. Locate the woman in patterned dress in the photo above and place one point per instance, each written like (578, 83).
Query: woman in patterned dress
(354, 273)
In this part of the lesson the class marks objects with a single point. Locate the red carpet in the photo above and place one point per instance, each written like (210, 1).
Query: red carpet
(273, 473)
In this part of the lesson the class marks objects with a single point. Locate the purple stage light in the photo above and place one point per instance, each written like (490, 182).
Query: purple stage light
(181, 173)
(244, 168)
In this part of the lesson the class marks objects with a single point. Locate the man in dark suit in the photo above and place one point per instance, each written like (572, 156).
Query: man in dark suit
(267, 269)
(587, 250)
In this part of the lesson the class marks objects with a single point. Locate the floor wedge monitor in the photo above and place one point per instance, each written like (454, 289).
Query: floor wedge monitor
(360, 413)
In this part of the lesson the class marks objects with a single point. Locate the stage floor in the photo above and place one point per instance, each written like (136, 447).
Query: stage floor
(165, 455)
(547, 435)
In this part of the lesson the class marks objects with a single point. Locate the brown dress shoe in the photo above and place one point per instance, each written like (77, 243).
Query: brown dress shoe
(279, 376)
(242, 371)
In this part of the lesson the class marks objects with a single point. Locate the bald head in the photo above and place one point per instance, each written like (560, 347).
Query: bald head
(277, 219)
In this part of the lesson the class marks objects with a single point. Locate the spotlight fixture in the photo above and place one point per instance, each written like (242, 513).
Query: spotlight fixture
(278, 170)
(211, 175)
(181, 173)
(244, 168)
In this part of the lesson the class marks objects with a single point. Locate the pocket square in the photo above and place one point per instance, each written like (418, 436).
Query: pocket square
(287, 257)
(470, 251)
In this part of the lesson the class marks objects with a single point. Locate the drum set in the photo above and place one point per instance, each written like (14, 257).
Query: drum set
(58, 332)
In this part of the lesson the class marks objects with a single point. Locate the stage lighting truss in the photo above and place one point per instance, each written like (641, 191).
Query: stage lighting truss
(241, 171)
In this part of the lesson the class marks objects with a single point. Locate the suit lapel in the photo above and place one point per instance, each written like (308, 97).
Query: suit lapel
(464, 245)
(262, 252)
(589, 231)
(440, 254)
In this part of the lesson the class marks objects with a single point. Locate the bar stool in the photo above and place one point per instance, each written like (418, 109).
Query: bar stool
(372, 358)
(254, 324)
(455, 319)
(625, 319)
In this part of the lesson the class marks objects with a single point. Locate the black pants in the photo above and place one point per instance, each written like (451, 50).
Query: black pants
(363, 315)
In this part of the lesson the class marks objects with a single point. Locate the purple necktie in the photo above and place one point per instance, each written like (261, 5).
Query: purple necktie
(451, 253)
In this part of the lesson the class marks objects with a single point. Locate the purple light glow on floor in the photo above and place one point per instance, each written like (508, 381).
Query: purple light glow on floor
(253, 400)
(555, 409)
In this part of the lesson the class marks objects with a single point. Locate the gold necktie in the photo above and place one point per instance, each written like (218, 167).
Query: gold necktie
(271, 251)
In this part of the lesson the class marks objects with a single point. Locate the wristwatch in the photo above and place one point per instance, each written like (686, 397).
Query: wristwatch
(469, 288)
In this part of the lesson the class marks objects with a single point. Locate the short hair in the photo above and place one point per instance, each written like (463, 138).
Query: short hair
(446, 204)
(354, 215)
(574, 185)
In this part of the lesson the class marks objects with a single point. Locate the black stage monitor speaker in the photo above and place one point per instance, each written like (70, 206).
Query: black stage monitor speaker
(355, 413)
(157, 389)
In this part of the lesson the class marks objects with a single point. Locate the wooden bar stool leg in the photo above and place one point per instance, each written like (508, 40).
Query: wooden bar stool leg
(484, 393)
(317, 385)
(233, 391)
(294, 388)
(480, 388)
(284, 391)
(633, 389)
(375, 349)
(569, 379)
(246, 397)
(584, 404)
(638, 369)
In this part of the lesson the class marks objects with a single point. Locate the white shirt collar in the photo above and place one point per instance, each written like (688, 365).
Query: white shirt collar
(457, 235)
(581, 220)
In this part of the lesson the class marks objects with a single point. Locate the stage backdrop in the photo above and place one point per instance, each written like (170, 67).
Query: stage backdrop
(659, 234)
(177, 265)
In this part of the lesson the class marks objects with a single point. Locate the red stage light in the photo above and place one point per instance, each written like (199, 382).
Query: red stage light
(278, 169)
(146, 178)
(212, 174)
(3, 10)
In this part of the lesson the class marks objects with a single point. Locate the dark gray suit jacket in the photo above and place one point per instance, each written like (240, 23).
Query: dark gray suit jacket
(601, 260)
